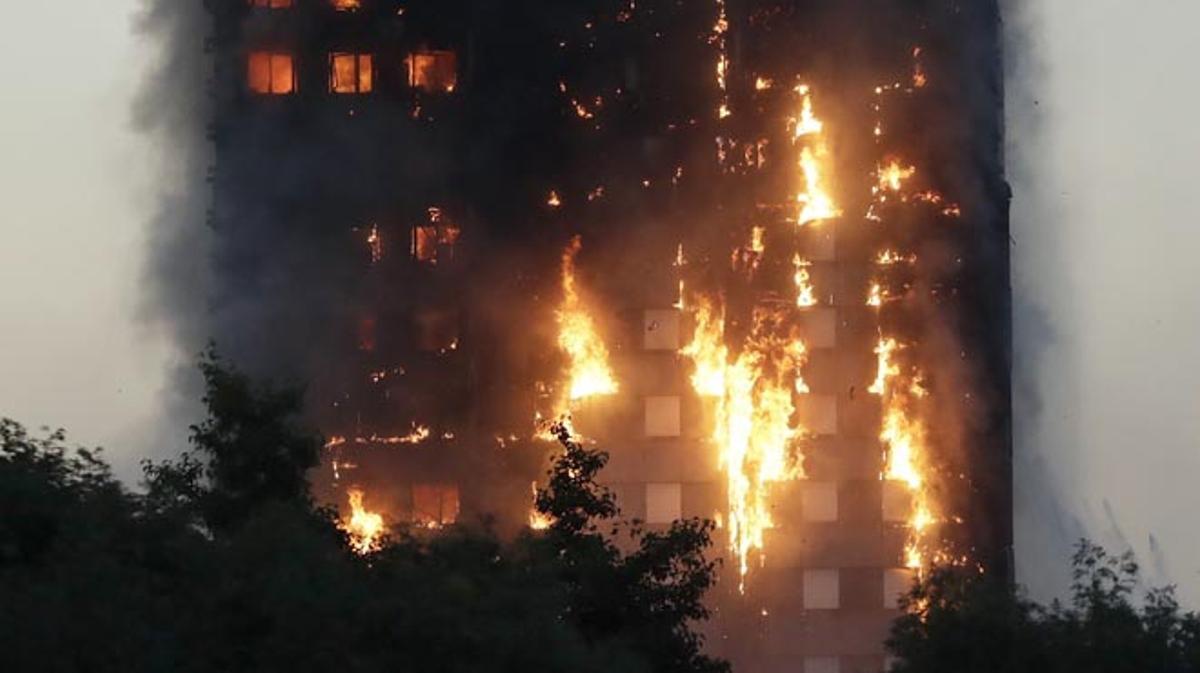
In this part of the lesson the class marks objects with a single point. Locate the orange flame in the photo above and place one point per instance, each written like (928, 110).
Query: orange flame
(365, 527)
(805, 294)
(904, 438)
(753, 427)
(815, 200)
(590, 373)
(538, 520)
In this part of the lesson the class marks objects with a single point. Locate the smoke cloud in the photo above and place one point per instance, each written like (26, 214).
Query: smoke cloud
(1101, 140)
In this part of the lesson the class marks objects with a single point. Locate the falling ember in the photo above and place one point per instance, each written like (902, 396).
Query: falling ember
(554, 200)
(590, 373)
(365, 527)
(805, 294)
(753, 428)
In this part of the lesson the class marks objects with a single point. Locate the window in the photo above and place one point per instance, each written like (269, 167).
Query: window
(896, 583)
(821, 665)
(820, 501)
(820, 327)
(661, 330)
(437, 330)
(271, 4)
(819, 414)
(432, 70)
(271, 73)
(664, 503)
(897, 501)
(662, 416)
(821, 590)
(350, 73)
(434, 240)
(435, 504)
(347, 5)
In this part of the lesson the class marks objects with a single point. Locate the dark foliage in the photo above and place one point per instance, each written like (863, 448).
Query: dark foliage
(961, 621)
(224, 563)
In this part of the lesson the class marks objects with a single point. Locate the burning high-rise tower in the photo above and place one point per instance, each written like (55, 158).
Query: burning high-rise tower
(756, 249)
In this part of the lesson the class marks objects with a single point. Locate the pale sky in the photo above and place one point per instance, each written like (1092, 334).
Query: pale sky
(75, 188)
(1103, 148)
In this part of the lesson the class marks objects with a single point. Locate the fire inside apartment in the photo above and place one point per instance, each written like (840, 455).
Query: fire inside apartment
(756, 250)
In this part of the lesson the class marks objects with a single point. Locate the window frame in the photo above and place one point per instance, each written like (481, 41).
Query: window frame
(440, 86)
(358, 58)
(271, 58)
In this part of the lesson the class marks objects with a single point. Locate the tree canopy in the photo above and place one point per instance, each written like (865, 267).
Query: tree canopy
(224, 563)
(958, 620)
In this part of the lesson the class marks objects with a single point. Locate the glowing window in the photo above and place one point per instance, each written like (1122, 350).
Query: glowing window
(435, 504)
(271, 4)
(432, 70)
(351, 73)
(270, 73)
(434, 241)
(347, 5)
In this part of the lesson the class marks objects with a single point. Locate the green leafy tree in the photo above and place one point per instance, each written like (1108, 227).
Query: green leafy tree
(650, 597)
(959, 620)
(224, 563)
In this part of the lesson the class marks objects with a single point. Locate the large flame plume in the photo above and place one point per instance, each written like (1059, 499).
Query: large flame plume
(754, 397)
(814, 198)
(589, 371)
